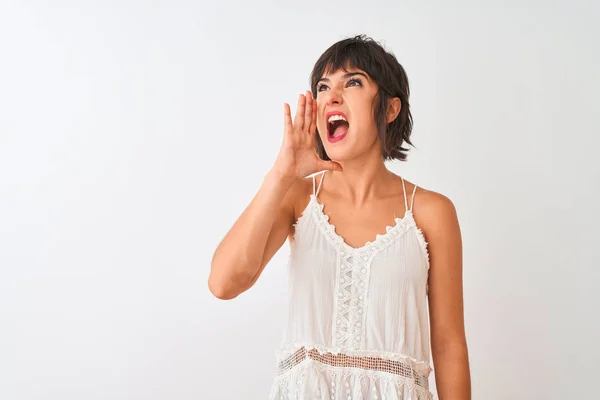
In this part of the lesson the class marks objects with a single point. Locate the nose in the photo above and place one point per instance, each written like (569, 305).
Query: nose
(333, 97)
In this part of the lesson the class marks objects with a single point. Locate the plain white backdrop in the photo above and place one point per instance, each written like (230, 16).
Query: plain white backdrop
(134, 133)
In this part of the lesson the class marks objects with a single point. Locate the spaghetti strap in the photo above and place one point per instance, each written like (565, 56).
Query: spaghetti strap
(404, 191)
(320, 182)
(412, 201)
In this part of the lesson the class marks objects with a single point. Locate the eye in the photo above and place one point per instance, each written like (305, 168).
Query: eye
(351, 83)
(355, 80)
(320, 86)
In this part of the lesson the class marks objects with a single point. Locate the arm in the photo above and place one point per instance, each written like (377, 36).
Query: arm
(448, 341)
(267, 221)
(254, 238)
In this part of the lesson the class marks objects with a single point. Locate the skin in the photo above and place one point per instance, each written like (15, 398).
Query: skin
(362, 197)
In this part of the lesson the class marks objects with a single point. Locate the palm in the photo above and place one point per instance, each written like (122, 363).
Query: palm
(297, 155)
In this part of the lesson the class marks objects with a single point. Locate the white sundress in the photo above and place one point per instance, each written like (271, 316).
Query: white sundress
(358, 321)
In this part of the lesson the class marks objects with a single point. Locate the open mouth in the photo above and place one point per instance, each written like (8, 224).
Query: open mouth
(337, 127)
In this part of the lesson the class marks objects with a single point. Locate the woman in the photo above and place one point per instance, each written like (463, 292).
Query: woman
(365, 285)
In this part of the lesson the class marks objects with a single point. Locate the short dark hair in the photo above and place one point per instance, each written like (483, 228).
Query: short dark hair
(364, 53)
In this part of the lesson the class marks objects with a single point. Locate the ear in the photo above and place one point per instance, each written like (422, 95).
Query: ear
(393, 109)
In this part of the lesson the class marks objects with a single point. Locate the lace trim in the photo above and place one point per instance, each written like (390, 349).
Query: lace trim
(422, 366)
(381, 240)
(403, 367)
(351, 287)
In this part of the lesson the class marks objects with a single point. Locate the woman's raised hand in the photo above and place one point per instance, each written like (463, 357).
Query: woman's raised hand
(298, 157)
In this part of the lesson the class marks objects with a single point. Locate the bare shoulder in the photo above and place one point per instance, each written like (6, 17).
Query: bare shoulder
(434, 212)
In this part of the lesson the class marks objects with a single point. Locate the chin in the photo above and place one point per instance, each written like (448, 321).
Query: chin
(338, 154)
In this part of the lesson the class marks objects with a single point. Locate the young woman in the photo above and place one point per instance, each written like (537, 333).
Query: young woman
(374, 264)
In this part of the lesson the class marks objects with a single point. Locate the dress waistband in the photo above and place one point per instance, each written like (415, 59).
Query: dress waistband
(405, 368)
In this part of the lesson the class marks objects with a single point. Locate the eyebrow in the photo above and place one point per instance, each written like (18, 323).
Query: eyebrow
(349, 74)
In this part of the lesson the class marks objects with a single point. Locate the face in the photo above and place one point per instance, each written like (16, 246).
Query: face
(345, 119)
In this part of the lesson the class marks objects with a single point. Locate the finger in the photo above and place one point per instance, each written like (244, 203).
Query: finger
(331, 165)
(308, 112)
(299, 118)
(287, 118)
(313, 123)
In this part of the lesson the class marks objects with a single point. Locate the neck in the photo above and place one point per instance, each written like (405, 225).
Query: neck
(362, 179)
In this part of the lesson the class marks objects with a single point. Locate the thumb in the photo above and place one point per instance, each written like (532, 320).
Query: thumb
(331, 165)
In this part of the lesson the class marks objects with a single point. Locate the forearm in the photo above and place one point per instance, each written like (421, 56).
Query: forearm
(238, 257)
(452, 372)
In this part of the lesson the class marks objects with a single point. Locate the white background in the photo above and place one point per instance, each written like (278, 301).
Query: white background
(133, 134)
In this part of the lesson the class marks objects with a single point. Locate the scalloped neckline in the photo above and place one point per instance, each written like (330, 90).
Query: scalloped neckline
(378, 237)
